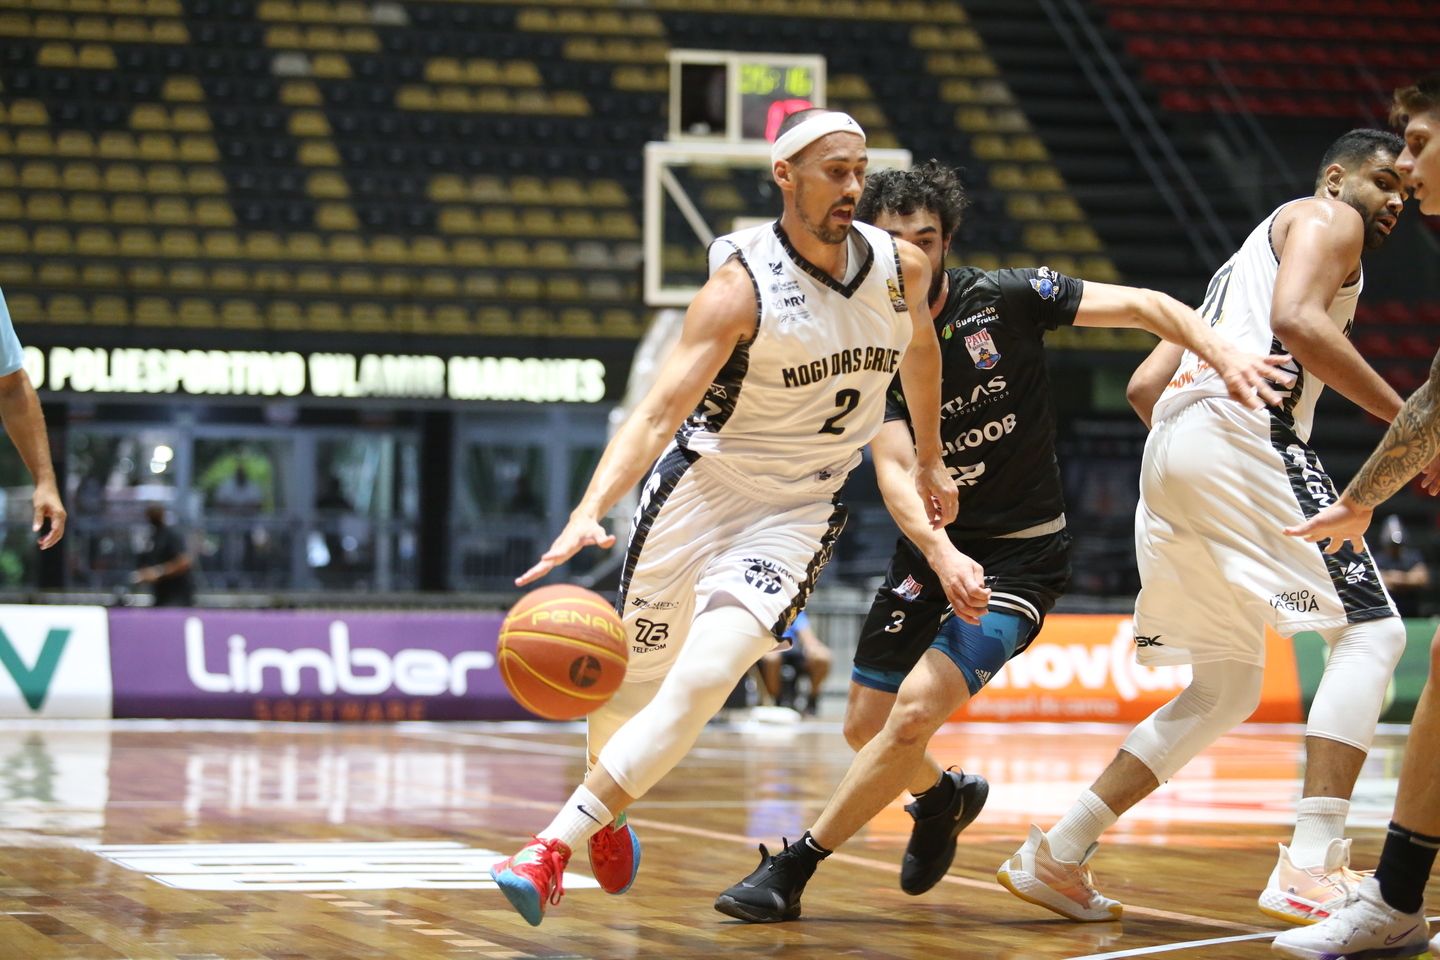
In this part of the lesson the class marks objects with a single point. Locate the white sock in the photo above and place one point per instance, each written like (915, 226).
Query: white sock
(1082, 826)
(579, 820)
(1318, 821)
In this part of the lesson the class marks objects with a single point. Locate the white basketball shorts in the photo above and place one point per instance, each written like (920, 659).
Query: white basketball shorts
(1218, 485)
(695, 536)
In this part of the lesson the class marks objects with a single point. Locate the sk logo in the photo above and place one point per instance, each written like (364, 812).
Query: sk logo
(34, 682)
(1148, 641)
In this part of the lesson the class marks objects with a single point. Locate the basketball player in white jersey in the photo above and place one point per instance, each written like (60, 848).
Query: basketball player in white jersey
(1386, 916)
(1218, 484)
(778, 380)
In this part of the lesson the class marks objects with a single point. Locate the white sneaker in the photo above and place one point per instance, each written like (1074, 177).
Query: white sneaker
(1307, 895)
(1364, 926)
(1034, 875)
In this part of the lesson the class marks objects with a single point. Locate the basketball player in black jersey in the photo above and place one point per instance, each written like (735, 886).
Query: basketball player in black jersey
(958, 603)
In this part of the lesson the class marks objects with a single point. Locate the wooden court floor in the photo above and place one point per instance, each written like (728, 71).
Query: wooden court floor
(220, 841)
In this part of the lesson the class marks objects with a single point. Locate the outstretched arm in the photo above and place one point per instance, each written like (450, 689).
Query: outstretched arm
(1410, 444)
(721, 315)
(1152, 377)
(920, 377)
(1247, 377)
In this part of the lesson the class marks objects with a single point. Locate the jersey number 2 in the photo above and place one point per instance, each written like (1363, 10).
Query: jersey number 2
(847, 401)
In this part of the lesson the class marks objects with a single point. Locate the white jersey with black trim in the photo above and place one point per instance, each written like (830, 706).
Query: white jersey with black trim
(793, 405)
(1237, 306)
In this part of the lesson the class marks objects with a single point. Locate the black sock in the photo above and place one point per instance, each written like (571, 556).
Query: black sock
(810, 852)
(937, 799)
(1404, 868)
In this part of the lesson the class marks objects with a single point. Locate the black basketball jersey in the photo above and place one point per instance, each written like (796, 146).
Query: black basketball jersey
(997, 421)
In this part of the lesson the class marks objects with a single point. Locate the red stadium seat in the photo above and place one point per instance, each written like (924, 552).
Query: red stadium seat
(1375, 344)
(1428, 312)
(1393, 312)
(1417, 346)
(1405, 380)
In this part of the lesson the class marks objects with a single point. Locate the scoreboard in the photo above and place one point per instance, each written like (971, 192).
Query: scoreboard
(733, 97)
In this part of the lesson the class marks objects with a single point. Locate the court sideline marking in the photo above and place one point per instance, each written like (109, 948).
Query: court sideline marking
(1187, 945)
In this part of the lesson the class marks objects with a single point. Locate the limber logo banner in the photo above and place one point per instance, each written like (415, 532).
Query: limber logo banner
(307, 665)
(1083, 667)
(54, 662)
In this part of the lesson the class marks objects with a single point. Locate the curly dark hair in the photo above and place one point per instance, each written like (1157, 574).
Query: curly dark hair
(930, 186)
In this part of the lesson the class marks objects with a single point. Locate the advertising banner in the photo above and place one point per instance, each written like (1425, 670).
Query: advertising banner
(307, 665)
(54, 662)
(1082, 667)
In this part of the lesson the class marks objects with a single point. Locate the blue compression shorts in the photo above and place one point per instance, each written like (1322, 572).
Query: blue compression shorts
(978, 651)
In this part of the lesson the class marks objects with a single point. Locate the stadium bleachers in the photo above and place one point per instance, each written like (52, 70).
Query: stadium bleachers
(453, 167)
(1324, 58)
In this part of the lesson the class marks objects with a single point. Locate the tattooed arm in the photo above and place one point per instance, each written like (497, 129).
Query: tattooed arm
(1411, 443)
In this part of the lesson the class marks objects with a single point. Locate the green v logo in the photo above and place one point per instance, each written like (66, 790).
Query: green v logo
(34, 682)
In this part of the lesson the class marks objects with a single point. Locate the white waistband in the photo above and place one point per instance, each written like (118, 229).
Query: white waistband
(1039, 530)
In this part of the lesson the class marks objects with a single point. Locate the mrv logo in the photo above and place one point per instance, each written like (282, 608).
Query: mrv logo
(358, 671)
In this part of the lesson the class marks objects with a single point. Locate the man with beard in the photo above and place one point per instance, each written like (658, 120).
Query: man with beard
(999, 566)
(778, 380)
(1218, 485)
(1386, 917)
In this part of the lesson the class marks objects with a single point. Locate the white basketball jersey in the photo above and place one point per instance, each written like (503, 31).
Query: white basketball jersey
(1237, 306)
(792, 406)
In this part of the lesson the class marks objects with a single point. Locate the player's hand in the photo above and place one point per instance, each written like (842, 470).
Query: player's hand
(964, 583)
(1252, 380)
(937, 491)
(1342, 521)
(48, 506)
(1430, 478)
(580, 532)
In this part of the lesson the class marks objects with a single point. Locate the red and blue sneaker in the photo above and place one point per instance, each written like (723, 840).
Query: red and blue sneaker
(615, 856)
(534, 878)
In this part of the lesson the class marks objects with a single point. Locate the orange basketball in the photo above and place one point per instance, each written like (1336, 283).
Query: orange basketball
(562, 651)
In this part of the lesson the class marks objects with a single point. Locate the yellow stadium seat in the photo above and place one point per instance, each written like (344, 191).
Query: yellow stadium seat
(45, 206)
(336, 216)
(171, 210)
(357, 282)
(444, 70)
(313, 281)
(309, 123)
(222, 243)
(538, 223)
(300, 93)
(577, 322)
(156, 146)
(435, 284)
(14, 25)
(164, 178)
(284, 315)
(348, 248)
(8, 176)
(96, 56)
(15, 271)
(451, 319)
(113, 311)
(11, 206)
(619, 224)
(195, 312)
(327, 185)
(305, 246)
(319, 153)
(205, 180)
(146, 275)
(486, 189)
(241, 314)
(494, 321)
(512, 253)
(34, 143)
(153, 312)
(579, 223)
(528, 190)
(190, 119)
(54, 240)
(88, 208)
(100, 275)
(604, 288)
(59, 55)
(387, 249)
(123, 178)
(169, 31)
(187, 277)
(95, 242)
(564, 287)
(395, 284)
(368, 317)
(447, 188)
(137, 243)
(520, 286)
(533, 321)
(471, 253)
(273, 279)
(550, 253)
(429, 250)
(620, 323)
(230, 278)
(330, 66)
(264, 246)
(483, 286)
(179, 243)
(457, 220)
(324, 316)
(97, 28)
(81, 176)
(67, 308)
(275, 10)
(13, 239)
(285, 38)
(195, 148)
(117, 145)
(149, 116)
(183, 89)
(568, 192)
(26, 112)
(24, 308)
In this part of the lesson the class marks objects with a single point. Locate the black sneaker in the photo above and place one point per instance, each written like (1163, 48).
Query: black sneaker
(932, 840)
(770, 894)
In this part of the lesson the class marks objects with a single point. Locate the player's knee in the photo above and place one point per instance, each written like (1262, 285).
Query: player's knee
(860, 730)
(914, 721)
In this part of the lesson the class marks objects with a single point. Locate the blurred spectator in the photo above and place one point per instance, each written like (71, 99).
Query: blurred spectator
(1401, 567)
(807, 655)
(166, 565)
(237, 493)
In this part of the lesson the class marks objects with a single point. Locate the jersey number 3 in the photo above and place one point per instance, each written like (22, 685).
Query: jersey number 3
(847, 401)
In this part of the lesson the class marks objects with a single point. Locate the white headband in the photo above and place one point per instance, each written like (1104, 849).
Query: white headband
(807, 131)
